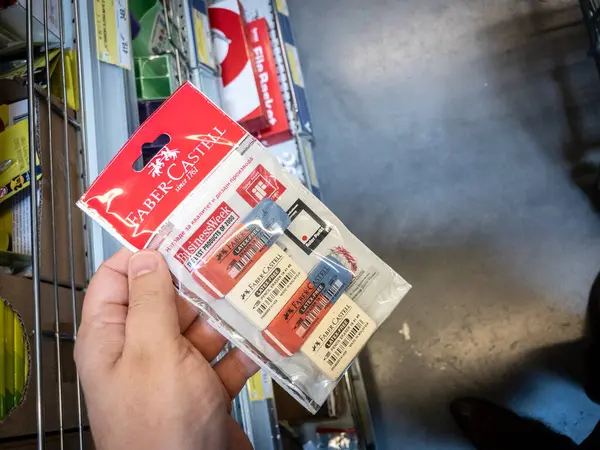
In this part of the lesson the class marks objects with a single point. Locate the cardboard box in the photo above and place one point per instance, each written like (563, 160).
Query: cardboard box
(241, 98)
(289, 410)
(18, 292)
(278, 129)
(152, 38)
(13, 18)
(11, 91)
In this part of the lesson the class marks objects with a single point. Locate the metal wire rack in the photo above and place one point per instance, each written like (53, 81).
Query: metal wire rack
(68, 119)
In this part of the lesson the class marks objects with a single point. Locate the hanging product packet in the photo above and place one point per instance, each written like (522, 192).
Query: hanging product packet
(263, 259)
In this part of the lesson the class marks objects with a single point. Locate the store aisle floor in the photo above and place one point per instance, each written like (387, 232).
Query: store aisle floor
(452, 138)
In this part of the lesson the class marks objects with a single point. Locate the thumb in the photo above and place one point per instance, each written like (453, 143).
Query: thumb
(152, 315)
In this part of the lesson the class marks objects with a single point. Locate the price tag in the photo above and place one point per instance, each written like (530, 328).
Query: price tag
(113, 35)
(260, 387)
(282, 7)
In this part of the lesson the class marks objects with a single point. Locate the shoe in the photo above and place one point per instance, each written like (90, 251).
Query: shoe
(592, 362)
(491, 427)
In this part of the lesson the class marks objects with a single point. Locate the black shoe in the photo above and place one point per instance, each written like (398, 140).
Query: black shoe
(593, 311)
(491, 427)
(592, 362)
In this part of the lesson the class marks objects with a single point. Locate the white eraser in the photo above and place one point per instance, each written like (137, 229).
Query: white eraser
(267, 287)
(339, 337)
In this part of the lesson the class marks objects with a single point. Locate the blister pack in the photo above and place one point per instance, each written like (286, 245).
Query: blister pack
(264, 260)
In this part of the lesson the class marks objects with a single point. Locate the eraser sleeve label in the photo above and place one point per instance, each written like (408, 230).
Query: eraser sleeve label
(302, 313)
(266, 287)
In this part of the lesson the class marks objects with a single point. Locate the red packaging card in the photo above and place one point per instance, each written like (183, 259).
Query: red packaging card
(241, 98)
(132, 204)
(278, 129)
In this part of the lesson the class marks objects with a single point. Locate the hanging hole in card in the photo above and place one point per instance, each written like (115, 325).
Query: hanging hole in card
(150, 150)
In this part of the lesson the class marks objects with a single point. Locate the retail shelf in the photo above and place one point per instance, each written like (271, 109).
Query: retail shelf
(293, 69)
(209, 83)
(257, 413)
(14, 17)
(179, 14)
(305, 149)
(108, 103)
(292, 87)
(201, 34)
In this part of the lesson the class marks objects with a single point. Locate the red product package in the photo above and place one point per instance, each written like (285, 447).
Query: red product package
(278, 129)
(135, 203)
(242, 100)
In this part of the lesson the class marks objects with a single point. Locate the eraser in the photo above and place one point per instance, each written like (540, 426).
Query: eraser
(266, 287)
(301, 314)
(236, 253)
(325, 283)
(334, 278)
(338, 339)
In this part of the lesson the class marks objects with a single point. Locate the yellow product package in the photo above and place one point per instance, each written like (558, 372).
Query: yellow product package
(14, 160)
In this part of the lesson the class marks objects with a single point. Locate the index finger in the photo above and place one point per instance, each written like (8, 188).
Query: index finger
(109, 286)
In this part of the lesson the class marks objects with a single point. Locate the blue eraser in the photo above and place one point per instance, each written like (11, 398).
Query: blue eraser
(333, 277)
(267, 221)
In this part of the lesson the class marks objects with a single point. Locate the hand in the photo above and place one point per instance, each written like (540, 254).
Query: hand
(143, 355)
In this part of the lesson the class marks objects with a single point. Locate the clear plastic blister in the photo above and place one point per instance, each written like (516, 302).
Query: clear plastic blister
(271, 267)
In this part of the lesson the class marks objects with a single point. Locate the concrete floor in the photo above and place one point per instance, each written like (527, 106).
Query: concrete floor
(451, 138)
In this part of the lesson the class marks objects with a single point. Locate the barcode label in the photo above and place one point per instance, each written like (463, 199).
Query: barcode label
(334, 289)
(339, 350)
(313, 314)
(237, 266)
(285, 280)
(267, 286)
(262, 306)
(339, 337)
(282, 286)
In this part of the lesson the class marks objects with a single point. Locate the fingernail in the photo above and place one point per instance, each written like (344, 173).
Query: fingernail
(142, 263)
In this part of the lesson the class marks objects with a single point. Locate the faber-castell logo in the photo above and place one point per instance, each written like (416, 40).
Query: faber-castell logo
(175, 171)
(158, 163)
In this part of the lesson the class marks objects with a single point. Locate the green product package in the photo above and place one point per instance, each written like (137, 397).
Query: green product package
(155, 77)
(19, 359)
(152, 38)
(14, 364)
